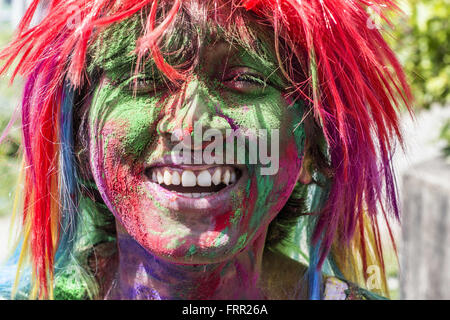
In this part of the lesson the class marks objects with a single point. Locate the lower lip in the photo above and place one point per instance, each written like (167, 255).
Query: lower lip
(214, 204)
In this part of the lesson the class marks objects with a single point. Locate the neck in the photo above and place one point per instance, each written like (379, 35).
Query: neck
(142, 275)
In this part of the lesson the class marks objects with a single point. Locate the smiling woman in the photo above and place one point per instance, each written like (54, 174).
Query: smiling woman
(113, 209)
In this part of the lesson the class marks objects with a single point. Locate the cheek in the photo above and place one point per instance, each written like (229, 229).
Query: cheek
(114, 163)
(269, 193)
(119, 168)
(119, 145)
(123, 186)
(290, 164)
(290, 161)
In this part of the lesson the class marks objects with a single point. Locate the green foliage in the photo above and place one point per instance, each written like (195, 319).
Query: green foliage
(421, 41)
(9, 148)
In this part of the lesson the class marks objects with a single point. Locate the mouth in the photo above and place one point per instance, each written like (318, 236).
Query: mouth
(195, 181)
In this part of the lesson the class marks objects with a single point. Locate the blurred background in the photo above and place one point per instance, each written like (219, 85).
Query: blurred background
(420, 38)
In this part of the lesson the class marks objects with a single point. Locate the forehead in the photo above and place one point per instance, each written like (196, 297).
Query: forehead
(197, 32)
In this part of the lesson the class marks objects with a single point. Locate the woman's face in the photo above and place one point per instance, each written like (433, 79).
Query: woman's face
(194, 213)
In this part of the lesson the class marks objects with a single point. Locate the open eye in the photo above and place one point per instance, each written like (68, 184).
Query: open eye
(146, 85)
(142, 83)
(245, 80)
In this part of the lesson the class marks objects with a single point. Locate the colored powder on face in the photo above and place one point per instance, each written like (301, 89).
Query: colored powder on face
(175, 243)
(138, 135)
(137, 115)
(236, 217)
(264, 111)
(209, 93)
(225, 269)
(263, 108)
(156, 203)
(299, 130)
(192, 250)
(240, 243)
(105, 143)
(114, 57)
(265, 188)
(221, 238)
(112, 50)
(247, 187)
(172, 232)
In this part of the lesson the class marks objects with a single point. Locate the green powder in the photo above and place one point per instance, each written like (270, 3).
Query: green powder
(175, 243)
(240, 243)
(221, 238)
(192, 250)
(236, 217)
(265, 188)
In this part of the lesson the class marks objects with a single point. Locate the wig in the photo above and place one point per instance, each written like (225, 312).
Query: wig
(339, 68)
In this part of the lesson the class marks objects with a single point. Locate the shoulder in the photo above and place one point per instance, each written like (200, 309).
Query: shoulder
(282, 278)
(338, 289)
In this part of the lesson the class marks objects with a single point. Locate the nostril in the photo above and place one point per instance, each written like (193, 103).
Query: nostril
(163, 126)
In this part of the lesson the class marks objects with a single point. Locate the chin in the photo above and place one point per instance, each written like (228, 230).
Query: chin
(206, 248)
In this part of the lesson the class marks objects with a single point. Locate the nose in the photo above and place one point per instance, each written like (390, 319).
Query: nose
(190, 106)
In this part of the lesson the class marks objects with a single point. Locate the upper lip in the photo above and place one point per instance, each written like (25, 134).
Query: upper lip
(167, 161)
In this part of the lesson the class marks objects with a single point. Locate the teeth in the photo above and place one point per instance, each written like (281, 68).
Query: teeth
(160, 177)
(216, 176)
(233, 177)
(176, 180)
(188, 179)
(226, 177)
(204, 179)
(167, 178)
(195, 195)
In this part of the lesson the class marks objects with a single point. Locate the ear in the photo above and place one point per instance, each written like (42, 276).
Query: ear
(305, 176)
